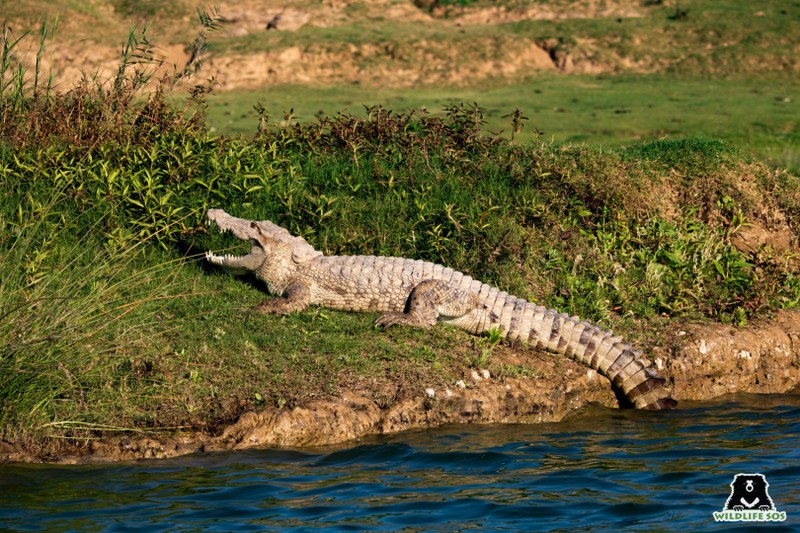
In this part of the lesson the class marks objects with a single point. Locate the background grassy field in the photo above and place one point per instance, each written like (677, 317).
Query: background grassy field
(610, 111)
(621, 71)
(623, 199)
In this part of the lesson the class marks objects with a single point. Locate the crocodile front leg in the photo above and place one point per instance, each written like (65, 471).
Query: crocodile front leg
(296, 298)
(432, 301)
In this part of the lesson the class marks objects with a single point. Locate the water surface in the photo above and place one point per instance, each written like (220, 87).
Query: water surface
(604, 469)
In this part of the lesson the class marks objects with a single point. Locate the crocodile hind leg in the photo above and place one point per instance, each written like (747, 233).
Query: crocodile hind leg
(432, 301)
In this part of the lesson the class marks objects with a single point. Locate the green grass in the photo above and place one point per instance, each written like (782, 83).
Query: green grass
(98, 339)
(726, 69)
(177, 346)
(610, 111)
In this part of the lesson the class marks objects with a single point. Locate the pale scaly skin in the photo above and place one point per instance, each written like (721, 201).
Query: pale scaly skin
(419, 293)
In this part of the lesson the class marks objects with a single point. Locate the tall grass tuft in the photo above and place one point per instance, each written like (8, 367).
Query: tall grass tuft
(73, 300)
(132, 107)
(68, 310)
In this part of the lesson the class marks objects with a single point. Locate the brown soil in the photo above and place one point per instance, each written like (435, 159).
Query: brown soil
(395, 65)
(701, 362)
(395, 60)
(375, 63)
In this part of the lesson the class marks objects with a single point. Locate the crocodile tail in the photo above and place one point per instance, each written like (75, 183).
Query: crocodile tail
(611, 356)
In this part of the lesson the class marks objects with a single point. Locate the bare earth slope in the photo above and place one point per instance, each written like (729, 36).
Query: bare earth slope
(404, 43)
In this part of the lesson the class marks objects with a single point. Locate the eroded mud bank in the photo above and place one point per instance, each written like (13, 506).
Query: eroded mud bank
(701, 361)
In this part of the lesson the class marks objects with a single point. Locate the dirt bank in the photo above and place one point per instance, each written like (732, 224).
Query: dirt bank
(386, 43)
(701, 361)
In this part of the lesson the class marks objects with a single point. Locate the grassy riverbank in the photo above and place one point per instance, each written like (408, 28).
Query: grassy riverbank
(111, 323)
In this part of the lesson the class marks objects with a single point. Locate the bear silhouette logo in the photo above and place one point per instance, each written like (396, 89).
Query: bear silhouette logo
(749, 493)
(749, 501)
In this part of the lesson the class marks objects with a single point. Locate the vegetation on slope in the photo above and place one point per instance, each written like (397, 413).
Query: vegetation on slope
(111, 322)
(610, 72)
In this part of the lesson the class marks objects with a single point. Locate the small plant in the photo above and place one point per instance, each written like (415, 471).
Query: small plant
(517, 123)
(16, 87)
(679, 13)
(485, 346)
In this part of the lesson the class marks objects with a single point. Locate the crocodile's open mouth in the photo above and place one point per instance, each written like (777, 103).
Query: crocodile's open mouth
(243, 230)
(239, 264)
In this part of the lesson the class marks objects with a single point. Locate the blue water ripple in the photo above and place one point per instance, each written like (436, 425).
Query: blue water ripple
(603, 470)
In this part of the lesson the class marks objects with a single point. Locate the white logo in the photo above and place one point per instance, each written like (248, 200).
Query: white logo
(749, 501)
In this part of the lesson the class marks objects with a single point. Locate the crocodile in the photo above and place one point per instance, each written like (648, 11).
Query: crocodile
(420, 293)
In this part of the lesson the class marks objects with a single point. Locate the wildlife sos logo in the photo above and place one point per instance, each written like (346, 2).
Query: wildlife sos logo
(749, 501)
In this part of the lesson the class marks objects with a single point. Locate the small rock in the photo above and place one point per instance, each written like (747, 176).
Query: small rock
(703, 347)
(475, 376)
(485, 374)
(430, 393)
(460, 384)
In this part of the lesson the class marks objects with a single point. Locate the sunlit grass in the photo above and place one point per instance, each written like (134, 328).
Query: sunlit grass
(609, 111)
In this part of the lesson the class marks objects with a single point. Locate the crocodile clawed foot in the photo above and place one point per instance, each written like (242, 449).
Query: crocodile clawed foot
(390, 319)
(413, 318)
(276, 306)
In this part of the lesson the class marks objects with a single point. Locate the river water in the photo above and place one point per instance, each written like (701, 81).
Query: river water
(604, 469)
